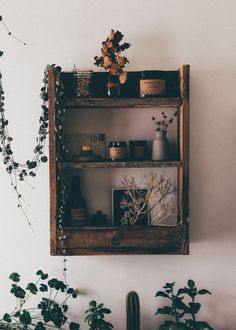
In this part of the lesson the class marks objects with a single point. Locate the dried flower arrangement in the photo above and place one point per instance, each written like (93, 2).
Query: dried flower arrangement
(111, 59)
(163, 124)
(138, 203)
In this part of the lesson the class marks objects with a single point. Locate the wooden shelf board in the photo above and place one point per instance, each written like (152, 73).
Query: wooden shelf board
(165, 102)
(127, 164)
(124, 240)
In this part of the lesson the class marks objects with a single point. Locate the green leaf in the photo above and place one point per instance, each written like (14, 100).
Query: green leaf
(92, 303)
(105, 310)
(164, 310)
(15, 277)
(40, 326)
(194, 307)
(181, 291)
(74, 295)
(74, 326)
(42, 275)
(25, 318)
(7, 318)
(65, 308)
(169, 285)
(191, 284)
(32, 288)
(177, 302)
(204, 291)
(18, 291)
(43, 287)
(162, 294)
(100, 306)
(70, 291)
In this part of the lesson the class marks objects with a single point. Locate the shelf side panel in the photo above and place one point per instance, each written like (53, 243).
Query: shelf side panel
(52, 160)
(183, 175)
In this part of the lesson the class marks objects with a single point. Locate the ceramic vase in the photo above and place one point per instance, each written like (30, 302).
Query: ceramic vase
(160, 147)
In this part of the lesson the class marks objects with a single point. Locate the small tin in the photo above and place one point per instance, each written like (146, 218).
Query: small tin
(117, 151)
(152, 83)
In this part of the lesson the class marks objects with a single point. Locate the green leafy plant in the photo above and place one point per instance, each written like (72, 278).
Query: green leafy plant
(183, 307)
(96, 316)
(48, 312)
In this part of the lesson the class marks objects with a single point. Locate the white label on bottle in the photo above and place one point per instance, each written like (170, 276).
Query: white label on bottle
(78, 217)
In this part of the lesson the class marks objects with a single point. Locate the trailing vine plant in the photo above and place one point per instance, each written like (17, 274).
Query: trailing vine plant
(20, 171)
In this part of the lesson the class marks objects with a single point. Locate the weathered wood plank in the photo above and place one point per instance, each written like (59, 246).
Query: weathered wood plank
(119, 240)
(127, 164)
(52, 160)
(184, 74)
(76, 103)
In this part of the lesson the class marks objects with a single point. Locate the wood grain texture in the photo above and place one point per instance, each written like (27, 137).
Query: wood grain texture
(123, 240)
(52, 160)
(184, 109)
(127, 164)
(76, 103)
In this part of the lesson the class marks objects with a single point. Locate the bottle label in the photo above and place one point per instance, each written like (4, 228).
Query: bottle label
(152, 86)
(139, 152)
(78, 217)
(117, 153)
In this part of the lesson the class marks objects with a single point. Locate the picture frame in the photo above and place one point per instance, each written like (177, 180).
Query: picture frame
(119, 213)
(74, 141)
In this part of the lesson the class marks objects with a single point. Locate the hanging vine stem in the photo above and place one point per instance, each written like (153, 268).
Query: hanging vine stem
(10, 34)
(20, 171)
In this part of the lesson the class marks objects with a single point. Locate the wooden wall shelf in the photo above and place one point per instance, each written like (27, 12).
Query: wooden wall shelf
(168, 102)
(132, 239)
(126, 240)
(126, 164)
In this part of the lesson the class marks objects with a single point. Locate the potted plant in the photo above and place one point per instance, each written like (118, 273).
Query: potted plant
(183, 307)
(160, 147)
(96, 316)
(49, 311)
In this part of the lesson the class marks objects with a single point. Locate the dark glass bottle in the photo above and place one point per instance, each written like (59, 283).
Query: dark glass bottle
(77, 204)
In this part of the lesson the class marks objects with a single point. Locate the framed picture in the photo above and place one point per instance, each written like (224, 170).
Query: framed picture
(73, 143)
(127, 210)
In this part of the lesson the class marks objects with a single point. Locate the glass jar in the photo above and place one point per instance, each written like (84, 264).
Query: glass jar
(117, 151)
(84, 79)
(152, 83)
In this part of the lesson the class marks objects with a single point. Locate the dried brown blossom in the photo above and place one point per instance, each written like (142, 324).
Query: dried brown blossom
(111, 59)
(163, 123)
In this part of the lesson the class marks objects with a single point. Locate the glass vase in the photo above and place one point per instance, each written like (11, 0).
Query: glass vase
(113, 86)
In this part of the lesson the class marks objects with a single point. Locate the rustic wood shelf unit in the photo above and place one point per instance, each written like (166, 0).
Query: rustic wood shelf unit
(90, 240)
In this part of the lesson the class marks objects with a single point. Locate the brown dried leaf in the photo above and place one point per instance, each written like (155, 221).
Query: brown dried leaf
(123, 77)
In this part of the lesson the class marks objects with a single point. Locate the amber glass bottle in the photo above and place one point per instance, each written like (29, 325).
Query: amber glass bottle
(77, 204)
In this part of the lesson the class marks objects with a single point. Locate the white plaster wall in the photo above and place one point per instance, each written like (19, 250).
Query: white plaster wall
(163, 34)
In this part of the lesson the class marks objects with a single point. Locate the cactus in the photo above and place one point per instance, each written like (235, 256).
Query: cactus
(132, 311)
